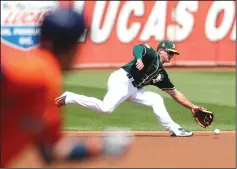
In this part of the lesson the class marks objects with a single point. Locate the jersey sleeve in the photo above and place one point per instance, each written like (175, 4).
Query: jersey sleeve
(52, 118)
(138, 51)
(149, 52)
(164, 83)
(19, 72)
(52, 115)
(144, 51)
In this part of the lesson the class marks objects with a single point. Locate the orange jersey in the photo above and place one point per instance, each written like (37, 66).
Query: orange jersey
(30, 84)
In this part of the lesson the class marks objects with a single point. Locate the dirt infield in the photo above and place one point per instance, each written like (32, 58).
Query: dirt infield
(158, 149)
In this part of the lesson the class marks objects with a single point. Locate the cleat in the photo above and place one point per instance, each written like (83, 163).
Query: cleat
(180, 132)
(60, 101)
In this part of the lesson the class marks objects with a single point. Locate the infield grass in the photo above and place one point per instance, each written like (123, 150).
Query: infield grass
(213, 90)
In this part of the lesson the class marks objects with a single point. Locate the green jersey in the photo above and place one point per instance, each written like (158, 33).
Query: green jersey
(152, 72)
(162, 80)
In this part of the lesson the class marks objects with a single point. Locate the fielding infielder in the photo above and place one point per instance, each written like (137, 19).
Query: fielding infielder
(126, 84)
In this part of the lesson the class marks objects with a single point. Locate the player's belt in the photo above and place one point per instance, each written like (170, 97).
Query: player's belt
(133, 82)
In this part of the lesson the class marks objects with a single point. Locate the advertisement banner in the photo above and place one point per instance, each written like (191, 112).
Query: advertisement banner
(204, 32)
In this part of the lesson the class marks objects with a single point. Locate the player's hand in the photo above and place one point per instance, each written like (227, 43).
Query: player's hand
(139, 64)
(195, 108)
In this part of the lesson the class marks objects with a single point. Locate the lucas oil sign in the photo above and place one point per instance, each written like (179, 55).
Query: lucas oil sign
(20, 21)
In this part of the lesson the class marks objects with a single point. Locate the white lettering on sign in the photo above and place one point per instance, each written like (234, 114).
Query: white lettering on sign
(233, 33)
(6, 32)
(79, 7)
(100, 35)
(124, 33)
(212, 32)
(155, 25)
(21, 20)
(183, 16)
(83, 36)
(25, 40)
(26, 31)
(29, 18)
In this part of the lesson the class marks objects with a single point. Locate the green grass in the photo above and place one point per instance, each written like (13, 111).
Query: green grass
(214, 90)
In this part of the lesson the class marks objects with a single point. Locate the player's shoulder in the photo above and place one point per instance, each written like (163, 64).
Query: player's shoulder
(22, 69)
(148, 48)
(30, 69)
(49, 67)
(22, 76)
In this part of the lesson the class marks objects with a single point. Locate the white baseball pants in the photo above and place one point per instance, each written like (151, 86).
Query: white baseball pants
(120, 89)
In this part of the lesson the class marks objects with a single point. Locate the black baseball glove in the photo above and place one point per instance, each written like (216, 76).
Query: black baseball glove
(203, 117)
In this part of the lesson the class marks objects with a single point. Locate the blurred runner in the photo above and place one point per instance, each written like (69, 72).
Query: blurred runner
(29, 84)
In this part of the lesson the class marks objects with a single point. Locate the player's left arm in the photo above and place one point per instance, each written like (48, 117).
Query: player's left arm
(167, 86)
(55, 147)
(201, 115)
(181, 99)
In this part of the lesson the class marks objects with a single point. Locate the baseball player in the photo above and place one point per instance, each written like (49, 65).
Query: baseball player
(127, 84)
(29, 85)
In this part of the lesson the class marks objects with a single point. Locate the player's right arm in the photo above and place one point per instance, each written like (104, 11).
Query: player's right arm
(55, 147)
(140, 51)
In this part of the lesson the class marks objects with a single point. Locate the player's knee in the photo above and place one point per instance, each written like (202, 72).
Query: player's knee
(67, 93)
(157, 99)
(108, 110)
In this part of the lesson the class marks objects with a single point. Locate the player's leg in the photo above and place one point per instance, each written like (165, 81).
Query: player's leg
(155, 101)
(119, 89)
(111, 100)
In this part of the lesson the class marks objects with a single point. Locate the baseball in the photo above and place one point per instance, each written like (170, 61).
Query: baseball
(217, 131)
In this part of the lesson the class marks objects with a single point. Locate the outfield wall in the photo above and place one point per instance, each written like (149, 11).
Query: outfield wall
(204, 32)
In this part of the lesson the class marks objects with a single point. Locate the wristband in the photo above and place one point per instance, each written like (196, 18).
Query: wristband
(78, 152)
